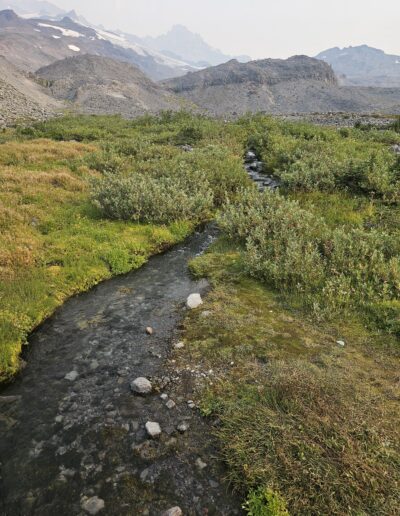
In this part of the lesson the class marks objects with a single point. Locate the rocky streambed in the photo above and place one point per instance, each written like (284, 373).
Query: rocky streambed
(75, 437)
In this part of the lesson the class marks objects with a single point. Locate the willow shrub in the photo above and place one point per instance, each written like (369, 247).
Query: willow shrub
(293, 250)
(153, 200)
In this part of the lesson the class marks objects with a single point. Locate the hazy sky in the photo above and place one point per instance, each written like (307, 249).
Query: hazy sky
(259, 28)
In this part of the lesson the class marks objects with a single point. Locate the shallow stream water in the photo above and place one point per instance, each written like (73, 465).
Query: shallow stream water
(70, 427)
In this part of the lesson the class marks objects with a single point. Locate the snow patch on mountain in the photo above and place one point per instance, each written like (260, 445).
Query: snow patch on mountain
(65, 32)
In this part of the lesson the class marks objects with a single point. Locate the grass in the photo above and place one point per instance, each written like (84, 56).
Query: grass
(301, 416)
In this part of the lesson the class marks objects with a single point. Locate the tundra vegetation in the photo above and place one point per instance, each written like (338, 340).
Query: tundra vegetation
(302, 325)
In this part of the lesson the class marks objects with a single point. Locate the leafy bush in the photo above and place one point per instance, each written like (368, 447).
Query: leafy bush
(147, 199)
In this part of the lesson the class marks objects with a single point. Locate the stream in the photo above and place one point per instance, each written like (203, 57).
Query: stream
(72, 433)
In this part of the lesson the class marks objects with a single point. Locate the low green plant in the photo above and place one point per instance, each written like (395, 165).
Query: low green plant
(265, 502)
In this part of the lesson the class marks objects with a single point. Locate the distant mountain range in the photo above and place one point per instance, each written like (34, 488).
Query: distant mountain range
(31, 43)
(183, 44)
(179, 44)
(50, 60)
(363, 66)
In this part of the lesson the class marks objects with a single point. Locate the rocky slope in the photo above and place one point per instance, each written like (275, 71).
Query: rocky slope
(33, 43)
(100, 85)
(298, 84)
(21, 98)
(363, 66)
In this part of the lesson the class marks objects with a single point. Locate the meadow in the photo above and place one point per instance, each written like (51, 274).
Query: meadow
(302, 324)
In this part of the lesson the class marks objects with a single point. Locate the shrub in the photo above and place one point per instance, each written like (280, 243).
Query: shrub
(147, 199)
(331, 269)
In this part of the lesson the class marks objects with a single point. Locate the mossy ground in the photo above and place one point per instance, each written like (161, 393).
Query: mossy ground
(300, 414)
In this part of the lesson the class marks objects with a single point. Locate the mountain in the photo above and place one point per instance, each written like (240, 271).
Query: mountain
(183, 44)
(36, 42)
(363, 66)
(299, 84)
(100, 85)
(21, 97)
(32, 8)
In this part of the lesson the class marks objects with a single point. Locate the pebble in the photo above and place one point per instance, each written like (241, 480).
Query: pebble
(153, 429)
(71, 376)
(170, 404)
(141, 386)
(340, 343)
(191, 404)
(164, 396)
(94, 365)
(149, 330)
(182, 428)
(200, 464)
(174, 511)
(179, 345)
(194, 301)
(93, 505)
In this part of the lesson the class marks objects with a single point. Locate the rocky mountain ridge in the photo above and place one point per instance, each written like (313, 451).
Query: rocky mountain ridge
(99, 85)
(299, 84)
(363, 66)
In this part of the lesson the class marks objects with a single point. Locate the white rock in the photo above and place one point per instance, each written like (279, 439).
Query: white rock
(93, 505)
(170, 404)
(174, 511)
(164, 396)
(153, 429)
(340, 343)
(179, 345)
(183, 427)
(72, 376)
(194, 301)
(141, 386)
(200, 464)
(94, 365)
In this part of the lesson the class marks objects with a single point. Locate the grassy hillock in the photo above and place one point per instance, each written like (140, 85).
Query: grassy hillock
(83, 199)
